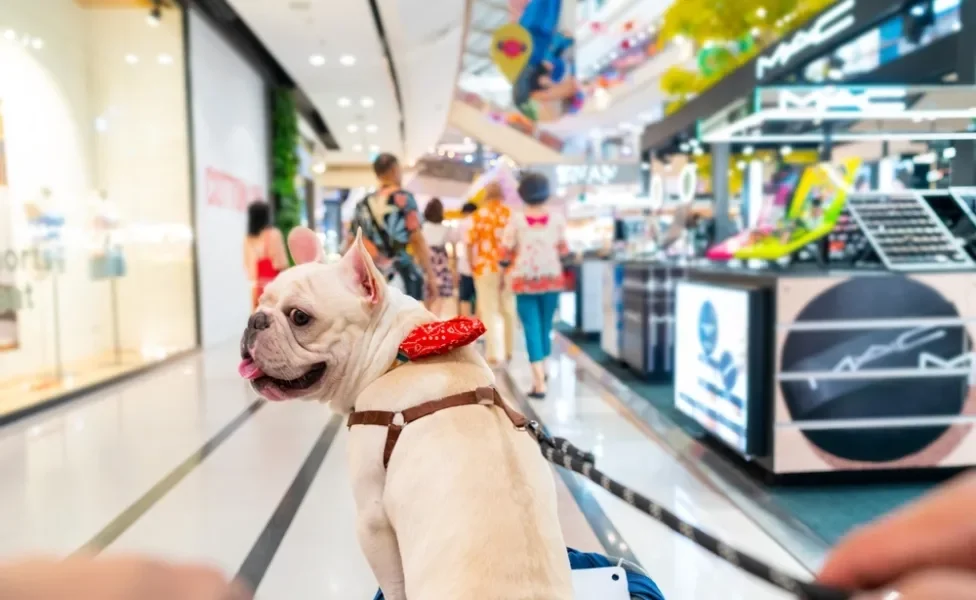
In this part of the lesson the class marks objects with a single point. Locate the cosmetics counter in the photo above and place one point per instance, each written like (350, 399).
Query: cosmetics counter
(587, 312)
(867, 364)
(638, 314)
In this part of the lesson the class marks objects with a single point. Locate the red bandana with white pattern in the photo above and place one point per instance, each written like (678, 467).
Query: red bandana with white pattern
(440, 337)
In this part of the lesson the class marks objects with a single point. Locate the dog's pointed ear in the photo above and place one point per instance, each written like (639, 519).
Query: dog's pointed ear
(304, 246)
(365, 276)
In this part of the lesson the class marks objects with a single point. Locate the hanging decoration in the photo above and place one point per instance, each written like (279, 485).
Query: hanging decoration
(728, 34)
(511, 46)
(536, 54)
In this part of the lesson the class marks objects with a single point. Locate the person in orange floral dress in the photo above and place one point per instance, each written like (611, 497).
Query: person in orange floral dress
(495, 300)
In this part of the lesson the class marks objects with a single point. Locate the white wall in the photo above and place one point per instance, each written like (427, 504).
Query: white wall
(230, 120)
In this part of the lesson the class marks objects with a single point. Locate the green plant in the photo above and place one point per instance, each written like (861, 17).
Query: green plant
(288, 206)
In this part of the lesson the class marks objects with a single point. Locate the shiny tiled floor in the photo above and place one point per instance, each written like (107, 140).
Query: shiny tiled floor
(124, 469)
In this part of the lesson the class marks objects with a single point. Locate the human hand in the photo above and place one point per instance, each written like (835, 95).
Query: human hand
(926, 550)
(132, 578)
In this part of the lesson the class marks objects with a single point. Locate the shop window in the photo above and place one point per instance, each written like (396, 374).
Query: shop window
(96, 263)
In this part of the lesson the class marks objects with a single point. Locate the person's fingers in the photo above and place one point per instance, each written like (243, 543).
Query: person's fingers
(205, 583)
(938, 531)
(930, 585)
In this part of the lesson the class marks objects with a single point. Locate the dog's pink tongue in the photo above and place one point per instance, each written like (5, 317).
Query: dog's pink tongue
(249, 370)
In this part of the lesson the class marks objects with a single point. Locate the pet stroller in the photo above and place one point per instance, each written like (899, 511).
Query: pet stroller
(638, 585)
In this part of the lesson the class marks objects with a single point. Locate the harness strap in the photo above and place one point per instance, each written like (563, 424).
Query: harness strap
(395, 421)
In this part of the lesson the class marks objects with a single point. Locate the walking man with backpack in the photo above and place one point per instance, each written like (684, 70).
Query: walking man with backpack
(390, 222)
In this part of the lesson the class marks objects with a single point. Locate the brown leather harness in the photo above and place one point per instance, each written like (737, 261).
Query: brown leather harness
(396, 421)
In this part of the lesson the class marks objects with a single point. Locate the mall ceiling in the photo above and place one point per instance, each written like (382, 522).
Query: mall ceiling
(338, 53)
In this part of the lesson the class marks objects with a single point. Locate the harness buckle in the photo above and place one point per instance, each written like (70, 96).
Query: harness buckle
(398, 420)
(485, 395)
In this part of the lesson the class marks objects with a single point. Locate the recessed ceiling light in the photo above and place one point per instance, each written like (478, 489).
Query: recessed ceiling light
(366, 102)
(37, 43)
(316, 60)
(165, 59)
(374, 148)
(344, 102)
(131, 59)
(352, 128)
(371, 128)
(319, 168)
(357, 148)
(10, 34)
(347, 60)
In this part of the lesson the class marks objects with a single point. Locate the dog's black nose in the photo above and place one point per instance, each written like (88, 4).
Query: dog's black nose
(258, 321)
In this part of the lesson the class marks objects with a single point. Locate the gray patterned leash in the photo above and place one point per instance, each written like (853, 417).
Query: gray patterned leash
(562, 453)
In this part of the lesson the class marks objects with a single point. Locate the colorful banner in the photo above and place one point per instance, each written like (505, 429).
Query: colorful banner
(536, 53)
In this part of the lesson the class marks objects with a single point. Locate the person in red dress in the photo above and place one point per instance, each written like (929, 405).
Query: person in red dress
(264, 250)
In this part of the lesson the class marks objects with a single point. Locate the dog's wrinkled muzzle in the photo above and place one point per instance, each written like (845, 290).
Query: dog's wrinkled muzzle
(258, 322)
(248, 369)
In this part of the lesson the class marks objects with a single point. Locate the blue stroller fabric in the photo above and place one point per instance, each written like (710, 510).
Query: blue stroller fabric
(641, 586)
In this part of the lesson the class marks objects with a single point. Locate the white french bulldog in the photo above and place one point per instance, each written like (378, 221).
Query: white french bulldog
(467, 507)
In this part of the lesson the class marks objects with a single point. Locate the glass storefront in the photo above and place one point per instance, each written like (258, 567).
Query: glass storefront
(96, 261)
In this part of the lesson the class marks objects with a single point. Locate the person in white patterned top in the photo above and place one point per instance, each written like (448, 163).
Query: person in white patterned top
(534, 245)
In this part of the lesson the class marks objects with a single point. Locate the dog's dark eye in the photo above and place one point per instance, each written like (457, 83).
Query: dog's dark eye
(299, 318)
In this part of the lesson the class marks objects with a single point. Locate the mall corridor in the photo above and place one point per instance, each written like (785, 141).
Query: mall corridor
(754, 238)
(186, 463)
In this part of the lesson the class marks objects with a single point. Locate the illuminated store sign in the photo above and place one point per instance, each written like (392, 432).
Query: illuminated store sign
(565, 176)
(712, 379)
(840, 99)
(825, 28)
(687, 187)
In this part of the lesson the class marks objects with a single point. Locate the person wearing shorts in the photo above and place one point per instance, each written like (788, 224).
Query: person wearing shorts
(466, 295)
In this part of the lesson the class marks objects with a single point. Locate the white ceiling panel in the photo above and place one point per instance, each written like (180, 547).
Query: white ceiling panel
(355, 96)
(426, 39)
